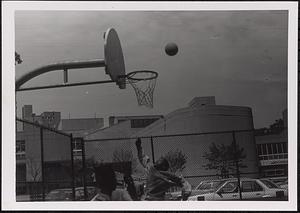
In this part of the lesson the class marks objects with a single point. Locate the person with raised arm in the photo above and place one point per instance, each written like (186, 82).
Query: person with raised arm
(159, 179)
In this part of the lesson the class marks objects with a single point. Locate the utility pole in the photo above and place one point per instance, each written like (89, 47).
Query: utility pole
(237, 164)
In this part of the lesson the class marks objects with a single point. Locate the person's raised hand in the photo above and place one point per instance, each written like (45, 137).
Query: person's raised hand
(138, 142)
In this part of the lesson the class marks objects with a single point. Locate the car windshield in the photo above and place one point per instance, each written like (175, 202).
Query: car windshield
(269, 183)
(209, 185)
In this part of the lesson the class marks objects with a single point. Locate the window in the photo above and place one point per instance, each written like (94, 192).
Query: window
(77, 148)
(141, 123)
(251, 186)
(274, 147)
(274, 172)
(269, 184)
(284, 147)
(20, 149)
(259, 149)
(77, 144)
(121, 120)
(209, 185)
(230, 187)
(272, 151)
(269, 149)
(280, 147)
(256, 187)
(264, 149)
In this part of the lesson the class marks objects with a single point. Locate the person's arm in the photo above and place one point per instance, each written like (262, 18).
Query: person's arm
(143, 159)
(139, 148)
(171, 178)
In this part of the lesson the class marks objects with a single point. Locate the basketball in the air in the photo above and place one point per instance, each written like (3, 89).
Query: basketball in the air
(171, 49)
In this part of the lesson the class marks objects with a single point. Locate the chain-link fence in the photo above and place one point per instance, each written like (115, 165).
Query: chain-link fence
(44, 163)
(52, 165)
(205, 160)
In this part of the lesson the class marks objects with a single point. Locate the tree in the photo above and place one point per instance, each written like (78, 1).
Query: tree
(79, 171)
(34, 169)
(121, 155)
(18, 59)
(222, 158)
(277, 127)
(176, 159)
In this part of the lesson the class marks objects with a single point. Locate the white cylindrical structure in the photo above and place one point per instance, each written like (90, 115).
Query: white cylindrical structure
(203, 116)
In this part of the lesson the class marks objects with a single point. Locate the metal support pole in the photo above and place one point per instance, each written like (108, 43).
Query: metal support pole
(42, 163)
(65, 76)
(58, 66)
(72, 168)
(84, 169)
(237, 164)
(152, 150)
(64, 85)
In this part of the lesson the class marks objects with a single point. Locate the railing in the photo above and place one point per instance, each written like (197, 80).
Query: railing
(273, 156)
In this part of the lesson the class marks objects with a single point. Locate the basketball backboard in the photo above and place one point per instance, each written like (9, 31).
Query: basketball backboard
(114, 59)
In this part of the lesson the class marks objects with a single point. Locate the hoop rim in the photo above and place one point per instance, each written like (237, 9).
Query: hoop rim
(129, 75)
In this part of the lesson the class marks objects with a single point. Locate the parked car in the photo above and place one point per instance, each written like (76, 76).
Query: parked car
(66, 194)
(284, 185)
(251, 189)
(203, 187)
(269, 183)
(278, 180)
(207, 186)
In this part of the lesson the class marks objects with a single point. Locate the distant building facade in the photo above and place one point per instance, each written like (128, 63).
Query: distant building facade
(272, 150)
(57, 147)
(265, 153)
(202, 115)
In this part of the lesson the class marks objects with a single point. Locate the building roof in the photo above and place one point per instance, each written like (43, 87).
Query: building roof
(197, 110)
(81, 124)
(120, 130)
(136, 116)
(274, 138)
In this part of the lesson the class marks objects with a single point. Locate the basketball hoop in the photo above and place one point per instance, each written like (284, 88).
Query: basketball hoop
(143, 83)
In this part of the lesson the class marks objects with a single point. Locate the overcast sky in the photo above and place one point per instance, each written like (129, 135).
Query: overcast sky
(238, 57)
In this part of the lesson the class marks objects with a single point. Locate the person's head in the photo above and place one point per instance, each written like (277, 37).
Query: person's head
(162, 164)
(105, 178)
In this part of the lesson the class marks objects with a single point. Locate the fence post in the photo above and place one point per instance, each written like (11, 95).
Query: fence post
(72, 168)
(83, 168)
(152, 150)
(237, 164)
(42, 163)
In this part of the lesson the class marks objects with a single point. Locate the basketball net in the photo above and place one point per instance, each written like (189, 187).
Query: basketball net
(143, 83)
